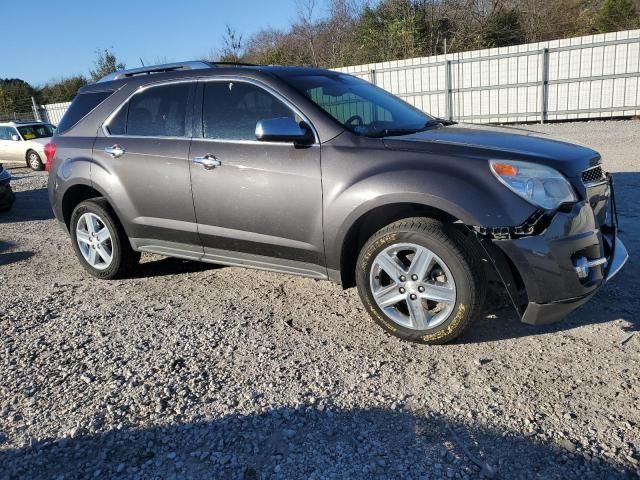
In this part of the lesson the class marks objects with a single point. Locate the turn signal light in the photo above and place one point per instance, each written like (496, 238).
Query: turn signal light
(505, 169)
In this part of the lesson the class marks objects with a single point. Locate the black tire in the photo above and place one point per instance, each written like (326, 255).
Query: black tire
(455, 250)
(34, 162)
(124, 258)
(7, 198)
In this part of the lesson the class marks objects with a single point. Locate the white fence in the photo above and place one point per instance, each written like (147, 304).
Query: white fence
(53, 112)
(596, 76)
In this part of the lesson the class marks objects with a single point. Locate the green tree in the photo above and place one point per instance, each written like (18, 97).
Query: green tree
(62, 90)
(106, 63)
(504, 28)
(15, 96)
(616, 15)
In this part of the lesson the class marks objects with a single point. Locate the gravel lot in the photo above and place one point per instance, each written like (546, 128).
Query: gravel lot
(196, 371)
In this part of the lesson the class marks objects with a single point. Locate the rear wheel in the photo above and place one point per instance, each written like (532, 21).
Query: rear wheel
(34, 161)
(100, 242)
(418, 280)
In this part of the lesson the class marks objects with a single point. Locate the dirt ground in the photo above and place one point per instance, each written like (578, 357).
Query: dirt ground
(190, 370)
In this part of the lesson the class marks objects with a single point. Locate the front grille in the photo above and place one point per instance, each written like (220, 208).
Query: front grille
(593, 175)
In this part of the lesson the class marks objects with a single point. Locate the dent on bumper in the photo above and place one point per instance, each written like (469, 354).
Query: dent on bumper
(546, 313)
(546, 264)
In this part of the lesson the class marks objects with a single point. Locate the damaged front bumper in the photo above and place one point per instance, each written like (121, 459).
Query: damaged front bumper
(562, 267)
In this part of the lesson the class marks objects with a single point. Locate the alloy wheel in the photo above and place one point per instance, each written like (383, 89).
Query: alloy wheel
(94, 240)
(412, 286)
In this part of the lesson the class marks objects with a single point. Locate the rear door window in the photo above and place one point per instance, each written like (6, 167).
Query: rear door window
(156, 112)
(80, 107)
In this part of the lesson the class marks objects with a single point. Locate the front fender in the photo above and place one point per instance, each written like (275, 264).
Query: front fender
(473, 198)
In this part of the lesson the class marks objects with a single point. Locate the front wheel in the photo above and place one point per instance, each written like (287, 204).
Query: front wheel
(419, 280)
(34, 161)
(100, 242)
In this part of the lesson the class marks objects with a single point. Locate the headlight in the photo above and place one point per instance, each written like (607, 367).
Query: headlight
(543, 186)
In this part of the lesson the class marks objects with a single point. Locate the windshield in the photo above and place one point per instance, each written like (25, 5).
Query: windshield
(360, 106)
(29, 132)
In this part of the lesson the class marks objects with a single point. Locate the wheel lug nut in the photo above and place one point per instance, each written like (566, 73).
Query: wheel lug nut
(403, 278)
(413, 296)
(421, 289)
(402, 290)
(414, 277)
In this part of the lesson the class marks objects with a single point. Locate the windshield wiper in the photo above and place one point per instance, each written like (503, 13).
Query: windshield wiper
(392, 132)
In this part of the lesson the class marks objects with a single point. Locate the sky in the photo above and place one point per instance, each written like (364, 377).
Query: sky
(54, 39)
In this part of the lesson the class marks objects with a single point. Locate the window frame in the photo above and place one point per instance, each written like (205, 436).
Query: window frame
(189, 114)
(198, 111)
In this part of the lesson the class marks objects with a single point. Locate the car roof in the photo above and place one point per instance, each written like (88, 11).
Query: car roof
(155, 73)
(22, 123)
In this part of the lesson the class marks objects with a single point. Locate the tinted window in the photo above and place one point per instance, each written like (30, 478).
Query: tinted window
(156, 112)
(232, 109)
(80, 107)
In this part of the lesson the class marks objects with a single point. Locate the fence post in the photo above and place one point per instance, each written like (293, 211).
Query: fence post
(372, 73)
(36, 112)
(449, 89)
(544, 86)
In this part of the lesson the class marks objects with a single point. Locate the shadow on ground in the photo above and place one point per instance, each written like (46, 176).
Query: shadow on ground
(306, 443)
(7, 258)
(30, 205)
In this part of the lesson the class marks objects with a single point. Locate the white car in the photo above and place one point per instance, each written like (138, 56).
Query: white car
(24, 142)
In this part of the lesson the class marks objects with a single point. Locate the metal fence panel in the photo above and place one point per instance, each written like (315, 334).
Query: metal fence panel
(53, 112)
(596, 76)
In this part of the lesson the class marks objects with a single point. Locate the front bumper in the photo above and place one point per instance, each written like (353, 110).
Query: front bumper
(547, 263)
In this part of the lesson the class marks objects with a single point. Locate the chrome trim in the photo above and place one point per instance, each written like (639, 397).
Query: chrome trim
(220, 78)
(620, 257)
(166, 67)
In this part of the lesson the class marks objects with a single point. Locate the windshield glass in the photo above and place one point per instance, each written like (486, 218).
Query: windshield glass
(29, 132)
(360, 106)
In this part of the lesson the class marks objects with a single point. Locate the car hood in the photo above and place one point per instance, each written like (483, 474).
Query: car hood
(500, 142)
(39, 142)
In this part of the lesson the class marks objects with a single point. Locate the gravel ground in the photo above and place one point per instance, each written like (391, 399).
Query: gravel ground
(195, 371)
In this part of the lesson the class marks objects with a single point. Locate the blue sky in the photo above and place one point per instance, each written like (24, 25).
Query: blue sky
(53, 39)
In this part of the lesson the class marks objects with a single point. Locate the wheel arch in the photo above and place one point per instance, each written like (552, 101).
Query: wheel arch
(372, 220)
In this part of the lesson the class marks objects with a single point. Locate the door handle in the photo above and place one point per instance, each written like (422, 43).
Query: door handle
(115, 151)
(209, 162)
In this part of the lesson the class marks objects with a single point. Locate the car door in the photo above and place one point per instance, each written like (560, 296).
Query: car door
(142, 162)
(14, 150)
(262, 206)
(5, 138)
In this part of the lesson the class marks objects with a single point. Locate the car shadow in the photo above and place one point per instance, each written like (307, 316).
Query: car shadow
(30, 205)
(170, 266)
(7, 258)
(306, 442)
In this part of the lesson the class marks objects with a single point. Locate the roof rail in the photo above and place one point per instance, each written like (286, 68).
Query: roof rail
(167, 67)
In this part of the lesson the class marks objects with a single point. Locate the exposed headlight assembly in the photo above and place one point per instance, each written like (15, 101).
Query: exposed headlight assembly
(538, 184)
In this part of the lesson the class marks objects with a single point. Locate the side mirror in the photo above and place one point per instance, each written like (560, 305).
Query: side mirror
(15, 138)
(283, 129)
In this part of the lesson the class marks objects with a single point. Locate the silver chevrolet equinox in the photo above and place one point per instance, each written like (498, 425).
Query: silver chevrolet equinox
(318, 173)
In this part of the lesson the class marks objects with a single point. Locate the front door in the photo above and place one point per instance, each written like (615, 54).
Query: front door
(142, 159)
(257, 203)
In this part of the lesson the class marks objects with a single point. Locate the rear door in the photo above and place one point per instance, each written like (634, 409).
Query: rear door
(262, 206)
(14, 150)
(5, 138)
(142, 157)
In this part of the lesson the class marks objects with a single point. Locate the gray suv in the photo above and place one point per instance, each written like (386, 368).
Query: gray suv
(317, 173)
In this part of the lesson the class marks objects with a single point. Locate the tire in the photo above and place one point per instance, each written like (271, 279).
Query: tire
(7, 198)
(99, 214)
(451, 272)
(34, 161)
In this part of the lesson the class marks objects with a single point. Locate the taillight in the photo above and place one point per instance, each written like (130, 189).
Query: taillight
(49, 151)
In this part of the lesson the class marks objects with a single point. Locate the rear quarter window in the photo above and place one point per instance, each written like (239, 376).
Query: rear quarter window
(80, 107)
